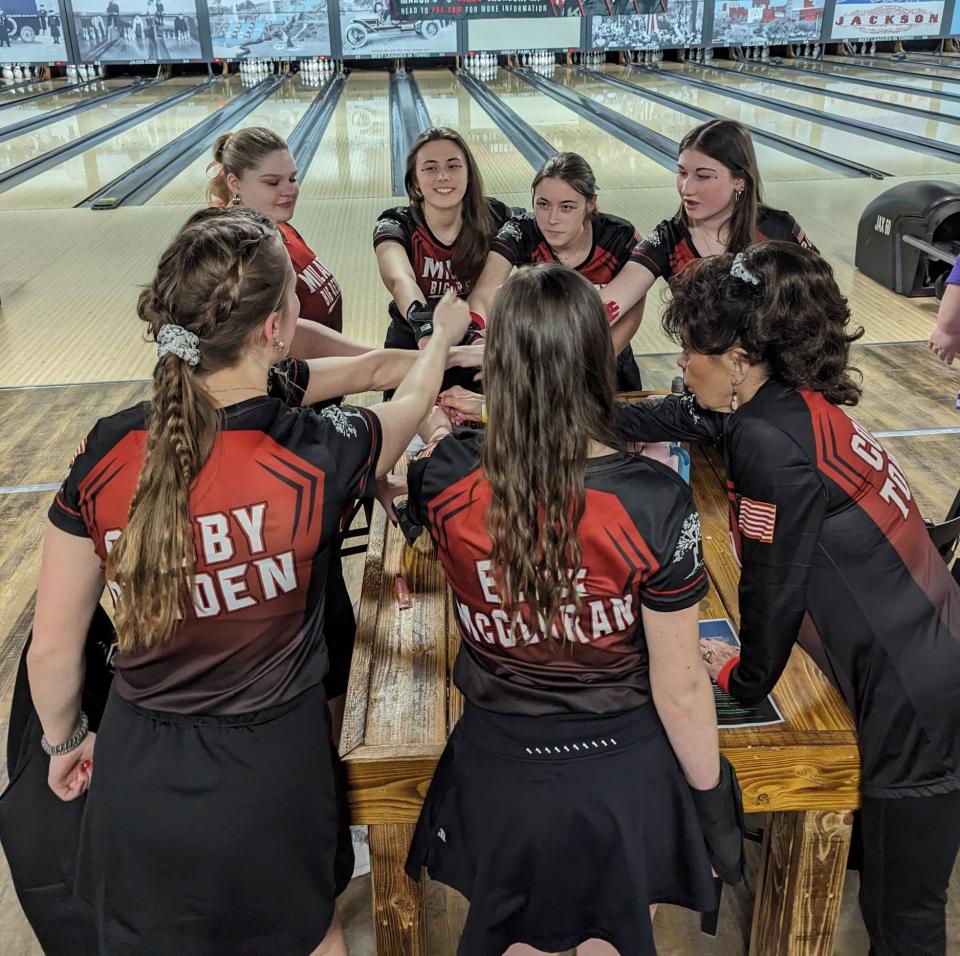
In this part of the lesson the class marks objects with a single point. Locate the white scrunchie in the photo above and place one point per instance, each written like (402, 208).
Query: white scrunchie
(740, 271)
(176, 340)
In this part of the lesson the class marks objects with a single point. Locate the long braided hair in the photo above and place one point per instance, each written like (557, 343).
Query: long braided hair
(220, 278)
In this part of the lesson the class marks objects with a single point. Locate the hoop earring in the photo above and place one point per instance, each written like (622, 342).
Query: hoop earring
(738, 194)
(734, 400)
(235, 200)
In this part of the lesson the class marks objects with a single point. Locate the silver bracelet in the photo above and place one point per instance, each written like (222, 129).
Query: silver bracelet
(71, 743)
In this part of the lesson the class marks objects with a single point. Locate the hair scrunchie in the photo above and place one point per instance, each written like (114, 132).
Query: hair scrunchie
(176, 340)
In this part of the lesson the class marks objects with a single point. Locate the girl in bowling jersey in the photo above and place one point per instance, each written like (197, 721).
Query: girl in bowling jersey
(213, 821)
(254, 168)
(439, 241)
(721, 210)
(566, 226)
(570, 795)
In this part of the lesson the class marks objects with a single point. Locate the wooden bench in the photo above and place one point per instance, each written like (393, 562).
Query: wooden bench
(401, 705)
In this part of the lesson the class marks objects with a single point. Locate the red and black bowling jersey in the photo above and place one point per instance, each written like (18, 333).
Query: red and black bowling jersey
(669, 248)
(521, 243)
(265, 509)
(640, 538)
(430, 258)
(825, 524)
(319, 294)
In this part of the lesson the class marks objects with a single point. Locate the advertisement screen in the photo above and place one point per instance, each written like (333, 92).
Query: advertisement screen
(281, 30)
(409, 9)
(368, 29)
(132, 31)
(671, 24)
(856, 20)
(755, 22)
(31, 31)
(484, 34)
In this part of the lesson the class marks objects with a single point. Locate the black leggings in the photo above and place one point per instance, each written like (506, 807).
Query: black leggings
(909, 847)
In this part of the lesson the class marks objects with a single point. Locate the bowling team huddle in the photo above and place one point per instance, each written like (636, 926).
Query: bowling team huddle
(583, 784)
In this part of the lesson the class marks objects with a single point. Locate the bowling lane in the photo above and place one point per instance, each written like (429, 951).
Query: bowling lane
(280, 113)
(881, 155)
(353, 158)
(845, 109)
(27, 146)
(908, 68)
(10, 92)
(826, 85)
(674, 124)
(616, 165)
(70, 182)
(853, 73)
(19, 105)
(502, 166)
(17, 113)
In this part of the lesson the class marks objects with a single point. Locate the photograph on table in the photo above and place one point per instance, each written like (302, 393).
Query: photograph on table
(766, 23)
(281, 30)
(124, 31)
(368, 29)
(730, 712)
(856, 20)
(31, 31)
(657, 25)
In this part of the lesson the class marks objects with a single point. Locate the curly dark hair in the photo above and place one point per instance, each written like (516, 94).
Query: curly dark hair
(781, 305)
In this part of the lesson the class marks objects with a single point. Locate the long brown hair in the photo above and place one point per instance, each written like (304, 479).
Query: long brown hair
(729, 143)
(237, 152)
(572, 169)
(548, 342)
(473, 243)
(781, 305)
(223, 274)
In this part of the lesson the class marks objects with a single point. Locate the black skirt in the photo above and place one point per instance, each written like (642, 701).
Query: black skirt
(210, 835)
(561, 829)
(340, 627)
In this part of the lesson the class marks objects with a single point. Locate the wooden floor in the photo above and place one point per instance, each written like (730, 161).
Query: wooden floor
(71, 349)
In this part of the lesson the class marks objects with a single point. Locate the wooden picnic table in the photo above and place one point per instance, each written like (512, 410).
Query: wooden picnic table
(401, 706)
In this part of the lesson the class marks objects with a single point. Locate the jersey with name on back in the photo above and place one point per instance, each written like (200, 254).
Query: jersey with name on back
(265, 510)
(640, 539)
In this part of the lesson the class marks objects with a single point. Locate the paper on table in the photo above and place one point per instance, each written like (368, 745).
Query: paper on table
(730, 712)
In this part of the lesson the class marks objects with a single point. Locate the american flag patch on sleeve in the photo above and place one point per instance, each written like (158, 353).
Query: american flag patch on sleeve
(756, 519)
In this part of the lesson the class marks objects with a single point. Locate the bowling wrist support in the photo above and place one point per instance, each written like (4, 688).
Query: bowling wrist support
(420, 320)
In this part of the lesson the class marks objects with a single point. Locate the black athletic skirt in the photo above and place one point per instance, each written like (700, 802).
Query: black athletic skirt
(211, 835)
(561, 829)
(340, 627)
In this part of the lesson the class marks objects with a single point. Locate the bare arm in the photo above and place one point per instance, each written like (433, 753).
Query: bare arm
(496, 271)
(71, 582)
(628, 287)
(374, 371)
(397, 275)
(401, 417)
(945, 338)
(682, 693)
(625, 328)
(313, 340)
